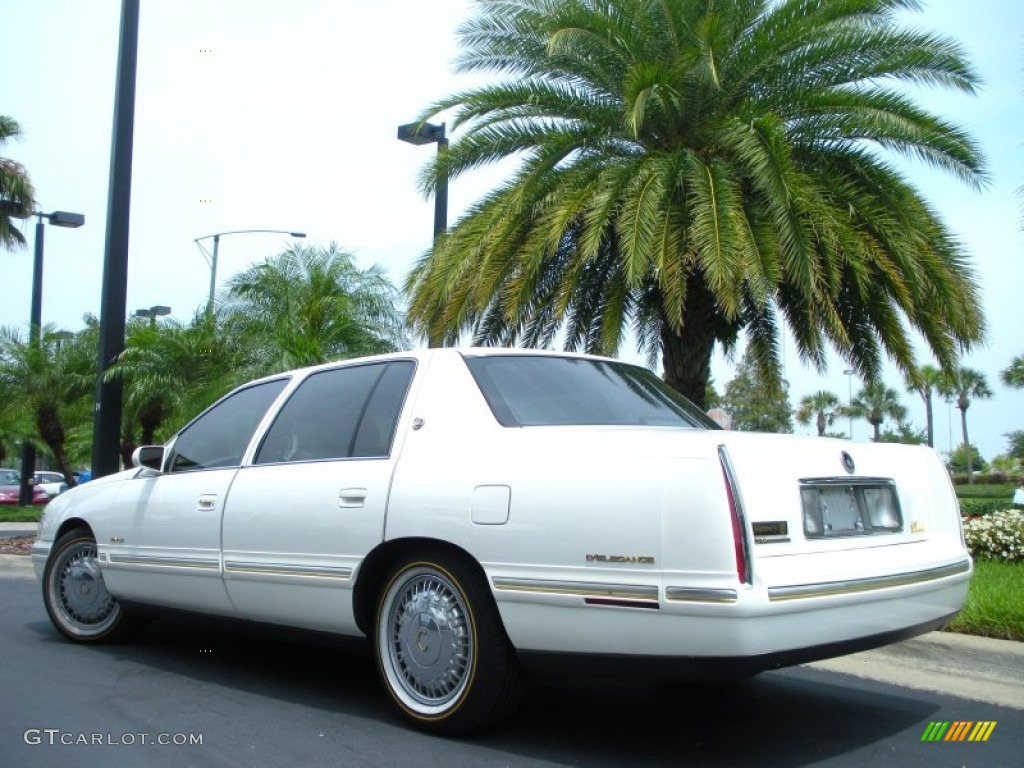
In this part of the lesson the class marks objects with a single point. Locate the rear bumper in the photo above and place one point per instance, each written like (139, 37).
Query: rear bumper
(754, 628)
(710, 667)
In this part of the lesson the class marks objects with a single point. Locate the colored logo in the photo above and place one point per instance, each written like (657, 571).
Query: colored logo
(959, 730)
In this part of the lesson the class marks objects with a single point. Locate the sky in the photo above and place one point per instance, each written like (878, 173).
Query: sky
(269, 115)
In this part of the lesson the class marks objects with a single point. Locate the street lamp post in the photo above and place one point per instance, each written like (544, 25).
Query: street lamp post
(106, 434)
(58, 219)
(153, 313)
(419, 134)
(849, 397)
(216, 246)
(61, 336)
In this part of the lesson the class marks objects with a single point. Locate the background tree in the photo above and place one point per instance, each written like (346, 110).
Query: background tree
(924, 381)
(755, 404)
(965, 384)
(961, 460)
(904, 432)
(309, 305)
(823, 406)
(875, 403)
(1006, 464)
(46, 381)
(172, 371)
(17, 197)
(1015, 444)
(15, 424)
(1013, 374)
(697, 171)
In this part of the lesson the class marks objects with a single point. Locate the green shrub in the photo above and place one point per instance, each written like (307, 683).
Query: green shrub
(996, 536)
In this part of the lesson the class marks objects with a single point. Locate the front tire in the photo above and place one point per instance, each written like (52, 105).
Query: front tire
(75, 595)
(441, 650)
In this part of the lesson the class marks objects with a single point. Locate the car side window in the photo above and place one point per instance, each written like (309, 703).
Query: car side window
(219, 437)
(337, 414)
(377, 428)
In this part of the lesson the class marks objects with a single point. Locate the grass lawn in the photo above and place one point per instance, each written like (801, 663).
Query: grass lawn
(995, 602)
(15, 514)
(979, 491)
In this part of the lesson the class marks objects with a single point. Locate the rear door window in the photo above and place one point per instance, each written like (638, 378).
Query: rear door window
(340, 413)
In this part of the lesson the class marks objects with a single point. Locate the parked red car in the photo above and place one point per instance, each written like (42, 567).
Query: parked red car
(10, 487)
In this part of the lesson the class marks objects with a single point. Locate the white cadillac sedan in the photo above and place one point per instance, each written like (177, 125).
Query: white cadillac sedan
(477, 512)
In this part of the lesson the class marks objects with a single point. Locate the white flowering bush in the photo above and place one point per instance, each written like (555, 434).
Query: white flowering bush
(996, 536)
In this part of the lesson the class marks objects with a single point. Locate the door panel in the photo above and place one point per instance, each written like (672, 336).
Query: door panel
(294, 534)
(163, 540)
(301, 519)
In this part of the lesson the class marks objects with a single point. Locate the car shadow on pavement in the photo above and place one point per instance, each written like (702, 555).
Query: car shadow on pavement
(789, 717)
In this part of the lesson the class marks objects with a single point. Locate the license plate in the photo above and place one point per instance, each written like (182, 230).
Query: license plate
(850, 509)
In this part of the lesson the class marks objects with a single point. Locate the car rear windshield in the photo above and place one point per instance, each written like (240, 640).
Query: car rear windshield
(527, 391)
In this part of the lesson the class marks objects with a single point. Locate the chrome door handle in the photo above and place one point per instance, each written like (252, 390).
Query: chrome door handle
(351, 497)
(207, 503)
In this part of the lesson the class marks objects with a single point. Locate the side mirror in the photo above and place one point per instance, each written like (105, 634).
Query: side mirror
(148, 456)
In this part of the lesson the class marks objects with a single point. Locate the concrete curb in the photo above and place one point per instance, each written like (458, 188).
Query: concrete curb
(17, 529)
(978, 668)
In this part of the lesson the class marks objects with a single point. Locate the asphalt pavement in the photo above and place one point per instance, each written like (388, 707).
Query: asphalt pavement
(976, 668)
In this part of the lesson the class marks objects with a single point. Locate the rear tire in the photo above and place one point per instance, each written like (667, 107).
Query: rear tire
(441, 649)
(75, 596)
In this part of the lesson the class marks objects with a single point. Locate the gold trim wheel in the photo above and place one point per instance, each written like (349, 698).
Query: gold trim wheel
(441, 649)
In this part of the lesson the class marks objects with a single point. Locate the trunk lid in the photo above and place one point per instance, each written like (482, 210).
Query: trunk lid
(805, 495)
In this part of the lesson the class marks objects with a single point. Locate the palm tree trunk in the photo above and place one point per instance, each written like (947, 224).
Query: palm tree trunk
(126, 448)
(967, 447)
(150, 419)
(821, 423)
(928, 417)
(51, 430)
(686, 355)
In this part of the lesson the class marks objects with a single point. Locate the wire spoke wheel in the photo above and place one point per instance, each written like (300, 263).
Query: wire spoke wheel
(76, 597)
(442, 651)
(429, 636)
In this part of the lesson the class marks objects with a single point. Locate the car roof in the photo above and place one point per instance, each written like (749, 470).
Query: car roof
(424, 354)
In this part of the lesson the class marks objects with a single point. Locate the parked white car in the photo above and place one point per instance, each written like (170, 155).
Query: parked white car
(475, 512)
(54, 483)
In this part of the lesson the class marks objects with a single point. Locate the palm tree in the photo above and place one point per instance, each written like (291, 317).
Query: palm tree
(309, 305)
(965, 384)
(875, 403)
(16, 194)
(1013, 374)
(924, 381)
(47, 380)
(171, 372)
(15, 427)
(696, 171)
(822, 405)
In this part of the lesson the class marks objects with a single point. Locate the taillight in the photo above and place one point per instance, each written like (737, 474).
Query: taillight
(738, 519)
